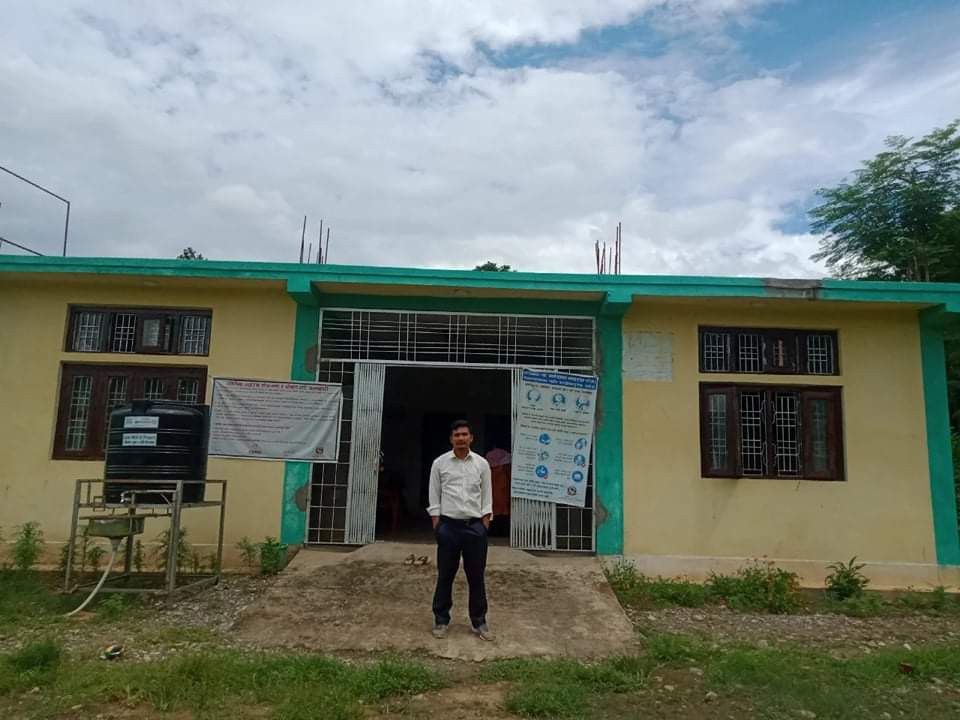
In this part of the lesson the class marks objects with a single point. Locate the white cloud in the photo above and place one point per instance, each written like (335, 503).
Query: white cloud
(169, 126)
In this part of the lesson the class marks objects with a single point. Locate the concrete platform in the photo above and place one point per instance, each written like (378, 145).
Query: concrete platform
(333, 600)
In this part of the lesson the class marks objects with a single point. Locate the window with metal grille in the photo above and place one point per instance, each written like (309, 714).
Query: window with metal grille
(327, 517)
(766, 431)
(195, 335)
(768, 350)
(457, 339)
(89, 393)
(150, 331)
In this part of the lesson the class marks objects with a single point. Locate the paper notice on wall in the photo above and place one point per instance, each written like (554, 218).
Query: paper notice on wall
(268, 420)
(648, 356)
(554, 437)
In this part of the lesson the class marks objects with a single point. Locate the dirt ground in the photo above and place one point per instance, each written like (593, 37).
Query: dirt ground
(864, 635)
(368, 600)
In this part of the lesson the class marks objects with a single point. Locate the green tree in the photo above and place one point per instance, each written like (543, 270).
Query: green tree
(189, 253)
(491, 266)
(899, 217)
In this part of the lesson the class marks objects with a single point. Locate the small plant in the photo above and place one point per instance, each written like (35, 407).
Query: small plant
(3, 564)
(111, 608)
(213, 565)
(845, 580)
(758, 586)
(27, 546)
(250, 552)
(64, 556)
(273, 556)
(94, 555)
(138, 556)
(162, 551)
(84, 548)
(196, 561)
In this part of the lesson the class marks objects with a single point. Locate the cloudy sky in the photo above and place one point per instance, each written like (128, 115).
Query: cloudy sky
(446, 133)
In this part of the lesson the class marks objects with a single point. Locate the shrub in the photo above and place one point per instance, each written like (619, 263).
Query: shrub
(138, 555)
(273, 556)
(758, 586)
(111, 608)
(27, 546)
(634, 588)
(845, 580)
(162, 552)
(250, 553)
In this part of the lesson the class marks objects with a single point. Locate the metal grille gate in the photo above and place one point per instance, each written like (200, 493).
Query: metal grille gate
(356, 346)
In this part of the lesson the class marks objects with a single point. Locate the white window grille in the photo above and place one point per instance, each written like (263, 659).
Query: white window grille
(749, 352)
(77, 422)
(820, 355)
(116, 396)
(787, 425)
(753, 445)
(87, 329)
(457, 339)
(195, 335)
(154, 388)
(716, 348)
(124, 333)
(188, 390)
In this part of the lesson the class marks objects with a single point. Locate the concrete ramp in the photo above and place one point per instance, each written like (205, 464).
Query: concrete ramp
(367, 600)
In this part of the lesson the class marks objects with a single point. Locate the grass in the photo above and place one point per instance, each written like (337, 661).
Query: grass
(566, 688)
(762, 587)
(30, 599)
(777, 682)
(215, 684)
(26, 599)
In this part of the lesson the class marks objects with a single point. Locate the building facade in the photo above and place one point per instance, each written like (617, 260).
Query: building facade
(800, 421)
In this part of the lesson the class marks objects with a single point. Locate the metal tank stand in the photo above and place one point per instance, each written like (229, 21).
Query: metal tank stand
(151, 499)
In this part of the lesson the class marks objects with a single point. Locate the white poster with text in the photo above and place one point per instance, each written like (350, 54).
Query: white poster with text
(551, 452)
(270, 420)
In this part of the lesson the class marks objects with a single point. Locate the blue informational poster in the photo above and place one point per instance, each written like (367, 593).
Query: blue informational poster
(554, 437)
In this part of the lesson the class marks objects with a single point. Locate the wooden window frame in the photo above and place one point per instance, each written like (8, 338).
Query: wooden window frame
(835, 471)
(796, 340)
(96, 416)
(173, 316)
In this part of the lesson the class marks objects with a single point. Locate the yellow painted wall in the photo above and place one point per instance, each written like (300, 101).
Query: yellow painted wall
(881, 513)
(251, 336)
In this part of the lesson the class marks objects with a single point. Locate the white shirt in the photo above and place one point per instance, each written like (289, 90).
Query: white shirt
(460, 488)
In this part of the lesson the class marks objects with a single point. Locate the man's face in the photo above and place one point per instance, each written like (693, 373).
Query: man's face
(461, 438)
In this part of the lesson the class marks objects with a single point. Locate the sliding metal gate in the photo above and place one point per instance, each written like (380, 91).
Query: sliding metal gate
(356, 346)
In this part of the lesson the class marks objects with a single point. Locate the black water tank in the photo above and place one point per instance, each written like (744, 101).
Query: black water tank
(156, 440)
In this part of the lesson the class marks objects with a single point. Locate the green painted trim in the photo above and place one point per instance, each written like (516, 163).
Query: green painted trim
(633, 285)
(609, 436)
(516, 306)
(939, 451)
(296, 475)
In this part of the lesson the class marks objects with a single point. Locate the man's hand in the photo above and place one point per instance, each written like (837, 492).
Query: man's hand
(486, 521)
(435, 519)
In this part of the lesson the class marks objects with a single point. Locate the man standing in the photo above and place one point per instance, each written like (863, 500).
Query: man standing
(461, 507)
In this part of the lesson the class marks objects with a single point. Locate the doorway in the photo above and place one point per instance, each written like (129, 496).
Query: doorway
(419, 404)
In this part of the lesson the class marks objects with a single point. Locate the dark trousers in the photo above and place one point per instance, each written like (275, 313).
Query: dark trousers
(456, 538)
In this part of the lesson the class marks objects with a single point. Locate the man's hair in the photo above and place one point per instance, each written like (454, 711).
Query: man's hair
(457, 424)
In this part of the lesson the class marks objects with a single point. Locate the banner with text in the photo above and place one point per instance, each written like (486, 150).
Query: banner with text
(269, 420)
(551, 453)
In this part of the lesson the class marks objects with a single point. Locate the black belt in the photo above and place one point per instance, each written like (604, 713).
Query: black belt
(458, 521)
